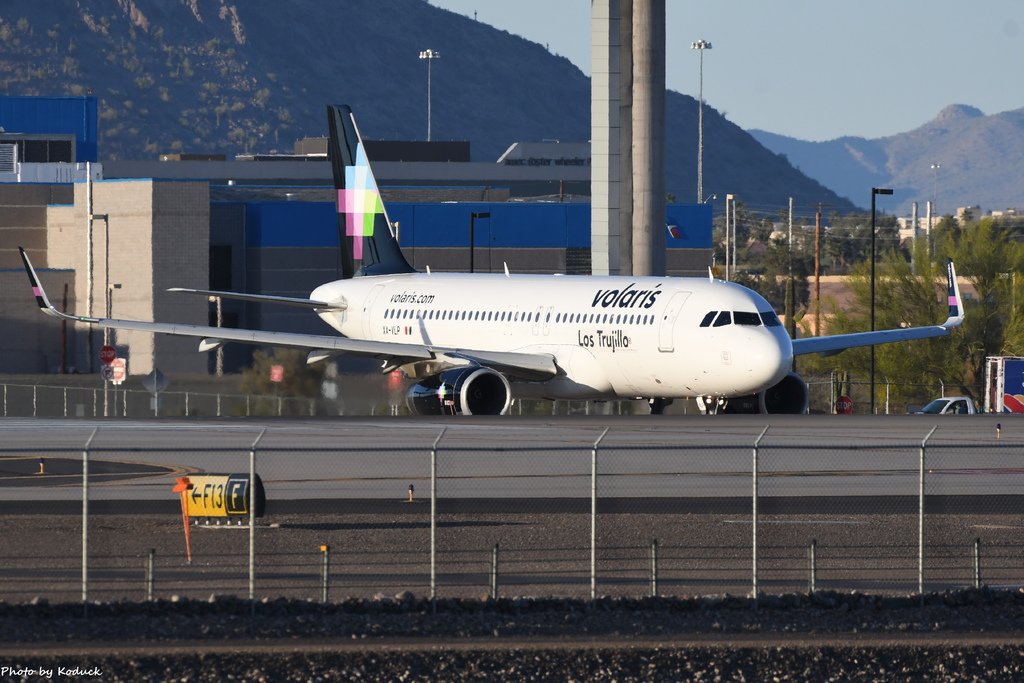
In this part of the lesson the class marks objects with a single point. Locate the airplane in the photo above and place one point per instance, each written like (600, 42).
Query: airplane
(474, 341)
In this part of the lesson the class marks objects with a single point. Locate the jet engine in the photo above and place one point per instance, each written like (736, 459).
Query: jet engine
(461, 391)
(788, 397)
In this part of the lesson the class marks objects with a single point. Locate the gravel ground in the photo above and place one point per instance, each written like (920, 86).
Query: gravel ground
(402, 638)
(689, 664)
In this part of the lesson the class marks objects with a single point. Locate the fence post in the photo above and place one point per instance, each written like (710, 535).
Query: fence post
(812, 557)
(35, 389)
(150, 562)
(5, 400)
(94, 402)
(325, 572)
(85, 523)
(920, 516)
(65, 401)
(252, 523)
(494, 572)
(218, 404)
(433, 522)
(977, 563)
(654, 567)
(593, 514)
(186, 404)
(753, 524)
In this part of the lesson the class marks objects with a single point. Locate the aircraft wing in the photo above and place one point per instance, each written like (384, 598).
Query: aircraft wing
(525, 365)
(829, 345)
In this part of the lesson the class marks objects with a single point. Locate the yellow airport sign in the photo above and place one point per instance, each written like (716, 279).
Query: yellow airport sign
(223, 495)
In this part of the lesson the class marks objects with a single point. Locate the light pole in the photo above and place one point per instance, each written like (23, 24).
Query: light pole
(430, 56)
(700, 46)
(109, 339)
(107, 293)
(874, 191)
(219, 362)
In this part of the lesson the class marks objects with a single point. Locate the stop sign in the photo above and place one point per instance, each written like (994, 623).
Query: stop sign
(107, 354)
(276, 373)
(844, 406)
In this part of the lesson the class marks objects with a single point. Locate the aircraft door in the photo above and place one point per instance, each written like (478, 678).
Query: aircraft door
(536, 320)
(368, 307)
(666, 342)
(547, 320)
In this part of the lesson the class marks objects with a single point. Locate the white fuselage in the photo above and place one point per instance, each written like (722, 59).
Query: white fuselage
(610, 336)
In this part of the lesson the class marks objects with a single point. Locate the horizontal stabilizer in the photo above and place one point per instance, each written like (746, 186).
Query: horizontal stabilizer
(266, 299)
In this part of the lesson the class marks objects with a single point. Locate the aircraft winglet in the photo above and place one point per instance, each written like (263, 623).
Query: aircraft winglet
(956, 309)
(40, 294)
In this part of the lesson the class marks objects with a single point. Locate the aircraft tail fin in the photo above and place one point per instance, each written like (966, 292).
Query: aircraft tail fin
(368, 244)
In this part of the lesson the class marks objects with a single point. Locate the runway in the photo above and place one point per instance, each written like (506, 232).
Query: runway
(848, 484)
(643, 458)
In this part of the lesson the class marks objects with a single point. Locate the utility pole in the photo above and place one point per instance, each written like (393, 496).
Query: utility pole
(790, 288)
(817, 271)
(728, 200)
(913, 250)
(734, 236)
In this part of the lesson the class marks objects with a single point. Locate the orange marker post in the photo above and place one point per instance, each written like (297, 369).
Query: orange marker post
(182, 488)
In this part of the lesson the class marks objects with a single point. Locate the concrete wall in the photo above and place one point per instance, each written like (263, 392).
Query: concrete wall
(158, 238)
(23, 212)
(32, 342)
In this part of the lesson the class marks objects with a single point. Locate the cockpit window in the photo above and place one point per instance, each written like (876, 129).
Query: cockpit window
(770, 319)
(724, 318)
(706, 322)
(746, 318)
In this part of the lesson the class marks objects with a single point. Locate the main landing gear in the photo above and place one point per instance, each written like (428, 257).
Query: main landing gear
(708, 405)
(658, 405)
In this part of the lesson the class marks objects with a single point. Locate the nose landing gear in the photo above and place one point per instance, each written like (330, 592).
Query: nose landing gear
(710, 405)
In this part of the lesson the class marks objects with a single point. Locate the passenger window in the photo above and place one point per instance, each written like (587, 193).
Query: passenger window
(746, 318)
(724, 318)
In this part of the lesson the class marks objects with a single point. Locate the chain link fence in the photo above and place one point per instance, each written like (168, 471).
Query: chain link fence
(448, 518)
(54, 400)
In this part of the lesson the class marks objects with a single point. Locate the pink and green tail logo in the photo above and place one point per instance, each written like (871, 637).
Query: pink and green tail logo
(359, 202)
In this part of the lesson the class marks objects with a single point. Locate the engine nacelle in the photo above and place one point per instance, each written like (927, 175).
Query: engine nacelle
(788, 397)
(461, 391)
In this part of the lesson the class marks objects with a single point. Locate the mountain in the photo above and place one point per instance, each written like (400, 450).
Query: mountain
(222, 76)
(980, 159)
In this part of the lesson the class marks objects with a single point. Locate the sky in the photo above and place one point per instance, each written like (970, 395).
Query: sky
(812, 69)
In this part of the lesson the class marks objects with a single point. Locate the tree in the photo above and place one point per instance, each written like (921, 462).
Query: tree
(987, 255)
(300, 379)
(902, 299)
